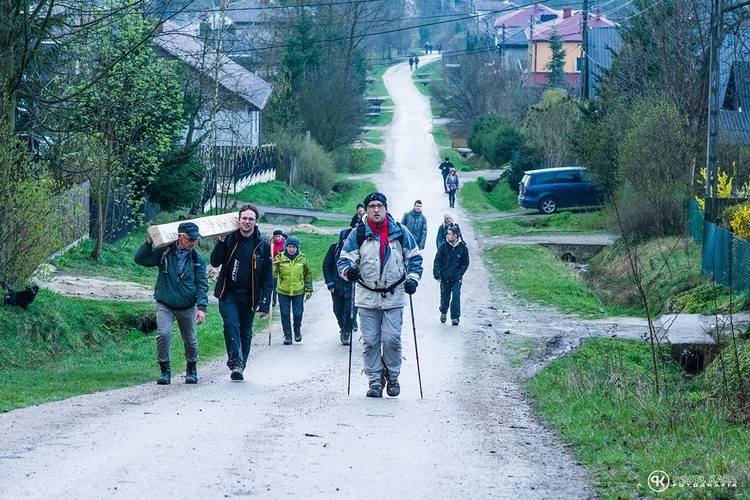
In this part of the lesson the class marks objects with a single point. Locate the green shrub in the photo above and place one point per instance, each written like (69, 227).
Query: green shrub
(495, 138)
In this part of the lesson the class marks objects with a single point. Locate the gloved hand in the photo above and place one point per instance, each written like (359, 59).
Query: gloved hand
(352, 274)
(410, 286)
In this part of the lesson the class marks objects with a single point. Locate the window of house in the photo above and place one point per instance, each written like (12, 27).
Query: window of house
(579, 64)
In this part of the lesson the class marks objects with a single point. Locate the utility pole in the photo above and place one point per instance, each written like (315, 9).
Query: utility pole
(712, 147)
(585, 51)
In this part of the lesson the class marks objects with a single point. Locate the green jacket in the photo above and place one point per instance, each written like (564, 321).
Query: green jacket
(294, 276)
(176, 291)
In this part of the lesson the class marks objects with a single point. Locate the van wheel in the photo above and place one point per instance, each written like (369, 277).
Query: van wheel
(547, 205)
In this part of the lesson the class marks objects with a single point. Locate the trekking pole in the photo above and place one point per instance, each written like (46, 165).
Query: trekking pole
(351, 341)
(270, 316)
(416, 350)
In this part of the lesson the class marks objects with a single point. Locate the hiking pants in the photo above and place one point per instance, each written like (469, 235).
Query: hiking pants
(238, 315)
(381, 335)
(342, 308)
(295, 304)
(450, 293)
(165, 317)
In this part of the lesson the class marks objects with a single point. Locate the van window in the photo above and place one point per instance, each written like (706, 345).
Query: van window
(570, 176)
(542, 178)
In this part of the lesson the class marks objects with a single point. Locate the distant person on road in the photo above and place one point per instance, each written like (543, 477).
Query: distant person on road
(443, 229)
(341, 289)
(411, 63)
(416, 62)
(294, 287)
(417, 224)
(243, 286)
(181, 294)
(451, 182)
(445, 169)
(439, 47)
(383, 259)
(451, 262)
(357, 218)
(278, 242)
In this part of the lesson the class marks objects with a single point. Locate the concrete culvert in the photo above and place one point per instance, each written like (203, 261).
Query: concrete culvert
(568, 257)
(146, 324)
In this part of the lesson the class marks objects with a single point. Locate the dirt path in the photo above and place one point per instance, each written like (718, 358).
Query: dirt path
(290, 430)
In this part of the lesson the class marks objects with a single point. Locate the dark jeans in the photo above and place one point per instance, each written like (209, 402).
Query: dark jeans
(296, 303)
(342, 308)
(446, 290)
(238, 314)
(445, 188)
(452, 197)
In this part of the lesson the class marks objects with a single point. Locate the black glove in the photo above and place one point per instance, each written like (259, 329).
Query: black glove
(352, 274)
(410, 286)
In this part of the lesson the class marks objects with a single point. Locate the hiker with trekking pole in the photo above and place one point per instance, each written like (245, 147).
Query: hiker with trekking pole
(382, 257)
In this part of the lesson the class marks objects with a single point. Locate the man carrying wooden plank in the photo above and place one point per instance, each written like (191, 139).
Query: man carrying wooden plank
(243, 287)
(181, 293)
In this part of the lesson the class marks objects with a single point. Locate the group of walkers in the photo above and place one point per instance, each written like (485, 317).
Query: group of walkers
(414, 62)
(369, 271)
(450, 180)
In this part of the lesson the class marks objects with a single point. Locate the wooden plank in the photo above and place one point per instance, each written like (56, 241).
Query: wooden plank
(214, 225)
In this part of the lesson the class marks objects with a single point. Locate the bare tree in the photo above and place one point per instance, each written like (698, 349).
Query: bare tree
(549, 126)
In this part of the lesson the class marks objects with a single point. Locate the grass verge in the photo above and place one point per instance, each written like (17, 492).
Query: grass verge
(559, 223)
(476, 201)
(600, 399)
(535, 274)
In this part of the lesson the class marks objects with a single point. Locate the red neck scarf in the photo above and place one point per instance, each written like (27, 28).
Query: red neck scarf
(381, 232)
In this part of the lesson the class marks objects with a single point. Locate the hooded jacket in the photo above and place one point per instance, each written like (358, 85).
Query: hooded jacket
(451, 261)
(416, 222)
(262, 272)
(293, 275)
(402, 260)
(176, 291)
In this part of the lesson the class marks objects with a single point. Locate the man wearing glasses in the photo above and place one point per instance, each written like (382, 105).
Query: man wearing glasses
(383, 258)
(181, 293)
(243, 287)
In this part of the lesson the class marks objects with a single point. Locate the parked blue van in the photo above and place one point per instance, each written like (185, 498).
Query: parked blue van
(548, 189)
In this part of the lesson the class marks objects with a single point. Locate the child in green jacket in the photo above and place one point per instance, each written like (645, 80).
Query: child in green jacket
(294, 287)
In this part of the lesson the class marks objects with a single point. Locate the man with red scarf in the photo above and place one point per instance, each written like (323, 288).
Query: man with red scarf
(382, 258)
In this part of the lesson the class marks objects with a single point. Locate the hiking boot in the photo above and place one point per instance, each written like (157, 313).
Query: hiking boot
(166, 374)
(376, 390)
(287, 339)
(454, 321)
(298, 336)
(237, 374)
(191, 374)
(346, 338)
(443, 317)
(392, 388)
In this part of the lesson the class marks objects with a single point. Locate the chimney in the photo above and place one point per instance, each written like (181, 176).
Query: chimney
(566, 12)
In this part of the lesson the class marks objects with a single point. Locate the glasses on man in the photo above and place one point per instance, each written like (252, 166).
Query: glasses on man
(247, 219)
(191, 240)
(376, 206)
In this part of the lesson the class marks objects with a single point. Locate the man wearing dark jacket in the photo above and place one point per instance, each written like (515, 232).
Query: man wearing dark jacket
(243, 287)
(341, 289)
(181, 293)
(451, 262)
(416, 222)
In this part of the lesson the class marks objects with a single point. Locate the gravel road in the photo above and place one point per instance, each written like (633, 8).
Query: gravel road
(290, 429)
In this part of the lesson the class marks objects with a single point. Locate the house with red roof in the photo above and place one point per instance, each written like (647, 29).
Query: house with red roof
(511, 32)
(569, 29)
